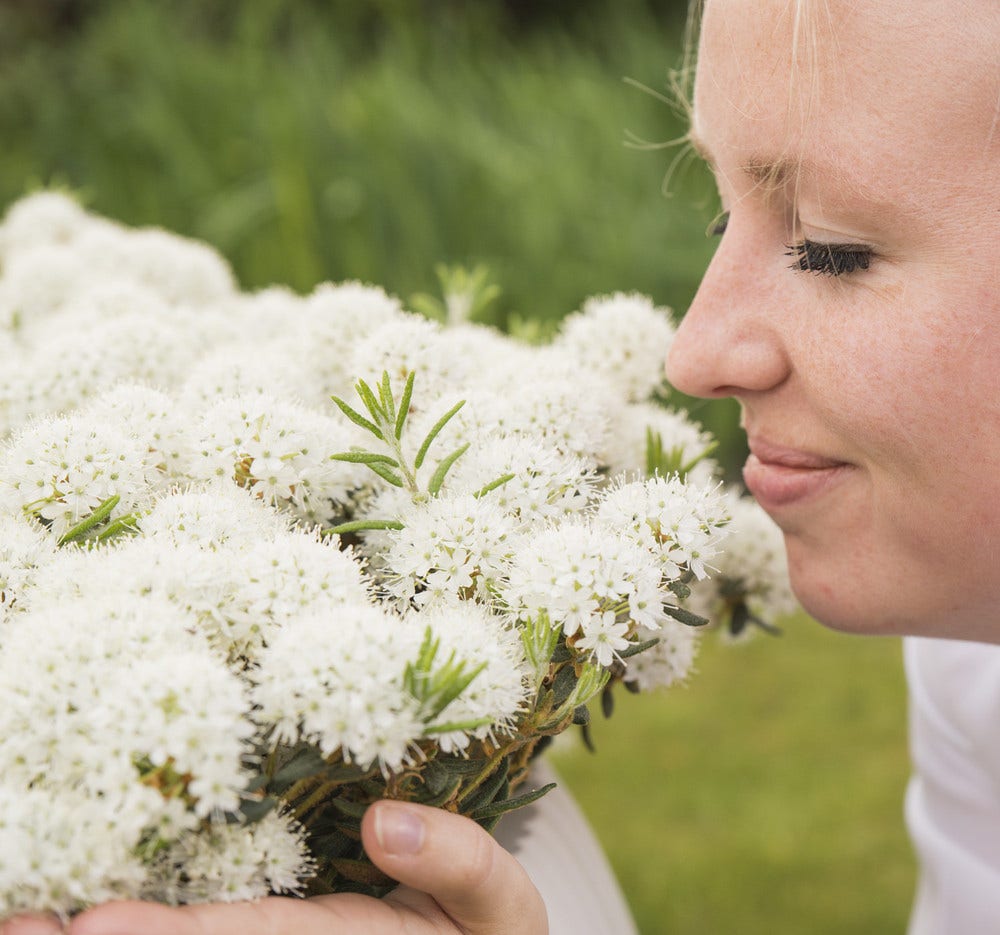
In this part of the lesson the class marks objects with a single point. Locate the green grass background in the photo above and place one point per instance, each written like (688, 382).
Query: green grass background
(312, 140)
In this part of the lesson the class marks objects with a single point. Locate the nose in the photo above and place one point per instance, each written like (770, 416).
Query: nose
(729, 343)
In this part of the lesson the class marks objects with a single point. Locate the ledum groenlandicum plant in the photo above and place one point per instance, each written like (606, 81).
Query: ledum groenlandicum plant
(266, 558)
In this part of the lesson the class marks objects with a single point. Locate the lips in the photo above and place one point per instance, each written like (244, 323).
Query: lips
(779, 476)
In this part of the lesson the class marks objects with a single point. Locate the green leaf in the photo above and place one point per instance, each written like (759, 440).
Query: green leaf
(563, 684)
(357, 418)
(256, 809)
(437, 479)
(124, 525)
(685, 616)
(450, 726)
(364, 457)
(307, 761)
(372, 404)
(404, 405)
(96, 518)
(487, 792)
(499, 482)
(496, 809)
(385, 397)
(360, 525)
(386, 473)
(433, 433)
(633, 649)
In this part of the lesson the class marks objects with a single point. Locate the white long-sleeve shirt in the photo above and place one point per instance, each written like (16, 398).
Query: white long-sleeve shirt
(953, 800)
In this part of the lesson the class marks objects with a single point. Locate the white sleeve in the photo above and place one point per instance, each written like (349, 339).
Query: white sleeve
(953, 800)
(554, 843)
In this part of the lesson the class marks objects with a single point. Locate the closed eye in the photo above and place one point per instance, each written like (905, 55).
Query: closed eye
(829, 259)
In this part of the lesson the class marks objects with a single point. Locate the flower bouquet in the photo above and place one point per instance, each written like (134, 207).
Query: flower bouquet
(267, 558)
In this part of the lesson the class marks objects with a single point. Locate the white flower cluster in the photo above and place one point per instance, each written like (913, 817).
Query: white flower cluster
(177, 608)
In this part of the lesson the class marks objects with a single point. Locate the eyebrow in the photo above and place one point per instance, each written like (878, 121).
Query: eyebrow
(770, 175)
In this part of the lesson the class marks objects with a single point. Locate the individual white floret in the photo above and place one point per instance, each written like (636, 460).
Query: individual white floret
(622, 337)
(60, 470)
(626, 448)
(235, 862)
(682, 523)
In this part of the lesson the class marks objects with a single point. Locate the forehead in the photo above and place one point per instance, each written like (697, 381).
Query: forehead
(906, 83)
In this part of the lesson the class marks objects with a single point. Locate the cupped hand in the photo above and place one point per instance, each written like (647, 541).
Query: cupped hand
(454, 879)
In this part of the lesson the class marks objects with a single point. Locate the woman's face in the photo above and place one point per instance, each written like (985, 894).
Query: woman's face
(853, 305)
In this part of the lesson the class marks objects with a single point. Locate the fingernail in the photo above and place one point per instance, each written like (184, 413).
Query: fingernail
(398, 831)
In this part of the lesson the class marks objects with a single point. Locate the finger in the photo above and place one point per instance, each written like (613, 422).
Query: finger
(32, 925)
(343, 915)
(474, 880)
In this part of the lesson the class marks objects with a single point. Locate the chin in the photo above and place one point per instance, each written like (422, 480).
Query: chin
(841, 598)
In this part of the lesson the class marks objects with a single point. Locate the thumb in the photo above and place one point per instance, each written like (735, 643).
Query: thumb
(472, 878)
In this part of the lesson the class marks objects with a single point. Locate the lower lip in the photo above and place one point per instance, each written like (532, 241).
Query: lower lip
(779, 485)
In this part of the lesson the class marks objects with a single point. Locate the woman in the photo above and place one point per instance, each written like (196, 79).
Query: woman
(853, 307)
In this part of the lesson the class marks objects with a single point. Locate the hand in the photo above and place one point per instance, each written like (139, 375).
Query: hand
(455, 880)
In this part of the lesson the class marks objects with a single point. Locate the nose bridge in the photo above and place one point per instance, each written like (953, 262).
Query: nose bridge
(729, 342)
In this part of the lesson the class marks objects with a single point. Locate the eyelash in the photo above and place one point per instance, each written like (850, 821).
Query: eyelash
(825, 259)
(829, 259)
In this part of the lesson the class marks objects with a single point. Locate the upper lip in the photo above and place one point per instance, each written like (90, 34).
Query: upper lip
(769, 452)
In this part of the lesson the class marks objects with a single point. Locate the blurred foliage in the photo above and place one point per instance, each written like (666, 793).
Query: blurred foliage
(315, 141)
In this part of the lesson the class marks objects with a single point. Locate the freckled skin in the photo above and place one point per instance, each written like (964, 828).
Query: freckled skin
(888, 118)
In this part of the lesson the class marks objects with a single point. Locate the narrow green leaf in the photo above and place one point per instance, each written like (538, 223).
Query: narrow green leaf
(385, 397)
(499, 482)
(360, 525)
(256, 809)
(364, 457)
(496, 809)
(433, 433)
(386, 473)
(685, 616)
(444, 465)
(122, 525)
(368, 398)
(634, 649)
(85, 525)
(357, 418)
(484, 794)
(404, 405)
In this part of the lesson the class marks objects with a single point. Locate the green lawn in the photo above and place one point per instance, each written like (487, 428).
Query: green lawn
(765, 796)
